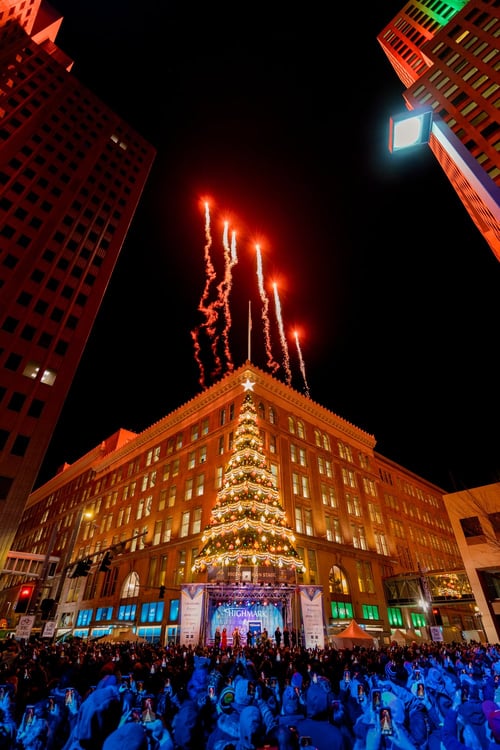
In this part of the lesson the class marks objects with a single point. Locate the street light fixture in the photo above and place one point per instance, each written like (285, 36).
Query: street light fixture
(409, 129)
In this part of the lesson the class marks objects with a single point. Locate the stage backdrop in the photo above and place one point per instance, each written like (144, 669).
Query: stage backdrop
(253, 616)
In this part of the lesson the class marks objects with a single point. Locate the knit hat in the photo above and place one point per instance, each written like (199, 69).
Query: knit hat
(491, 711)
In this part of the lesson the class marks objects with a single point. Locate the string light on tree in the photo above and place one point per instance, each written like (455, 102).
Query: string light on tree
(248, 524)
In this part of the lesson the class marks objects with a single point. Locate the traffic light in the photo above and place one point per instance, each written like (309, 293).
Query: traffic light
(161, 593)
(46, 606)
(24, 599)
(82, 568)
(437, 616)
(106, 563)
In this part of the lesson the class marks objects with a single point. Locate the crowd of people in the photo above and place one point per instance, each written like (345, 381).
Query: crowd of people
(88, 695)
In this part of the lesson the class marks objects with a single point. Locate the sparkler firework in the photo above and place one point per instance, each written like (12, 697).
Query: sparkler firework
(217, 319)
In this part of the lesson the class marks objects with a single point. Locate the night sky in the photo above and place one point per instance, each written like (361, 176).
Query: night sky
(280, 117)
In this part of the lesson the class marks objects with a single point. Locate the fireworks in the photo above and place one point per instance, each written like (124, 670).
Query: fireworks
(216, 323)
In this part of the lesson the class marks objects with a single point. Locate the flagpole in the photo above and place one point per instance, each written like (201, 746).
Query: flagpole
(249, 330)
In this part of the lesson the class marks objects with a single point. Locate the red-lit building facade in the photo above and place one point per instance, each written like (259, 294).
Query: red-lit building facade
(361, 521)
(447, 56)
(71, 174)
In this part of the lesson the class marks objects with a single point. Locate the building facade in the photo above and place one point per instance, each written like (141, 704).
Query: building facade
(475, 517)
(72, 173)
(447, 56)
(359, 519)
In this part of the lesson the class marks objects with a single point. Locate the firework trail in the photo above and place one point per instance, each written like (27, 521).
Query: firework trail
(284, 345)
(222, 302)
(206, 308)
(301, 364)
(271, 363)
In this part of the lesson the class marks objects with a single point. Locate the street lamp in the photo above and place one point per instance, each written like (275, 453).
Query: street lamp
(409, 129)
(81, 515)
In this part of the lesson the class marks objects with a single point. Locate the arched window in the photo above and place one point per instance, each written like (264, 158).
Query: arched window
(337, 581)
(261, 410)
(272, 415)
(130, 586)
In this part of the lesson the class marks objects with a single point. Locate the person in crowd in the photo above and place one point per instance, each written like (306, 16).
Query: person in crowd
(440, 696)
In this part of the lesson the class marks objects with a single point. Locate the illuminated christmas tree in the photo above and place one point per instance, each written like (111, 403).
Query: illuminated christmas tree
(248, 526)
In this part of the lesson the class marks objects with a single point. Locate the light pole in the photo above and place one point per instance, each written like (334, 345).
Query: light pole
(82, 513)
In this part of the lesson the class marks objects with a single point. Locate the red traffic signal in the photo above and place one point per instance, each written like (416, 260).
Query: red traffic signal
(438, 619)
(23, 600)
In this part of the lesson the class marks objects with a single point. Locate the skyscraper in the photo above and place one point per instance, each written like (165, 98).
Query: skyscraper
(447, 56)
(72, 173)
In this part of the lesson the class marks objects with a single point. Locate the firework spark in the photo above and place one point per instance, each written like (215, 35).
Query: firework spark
(301, 363)
(284, 345)
(271, 363)
(204, 306)
(222, 302)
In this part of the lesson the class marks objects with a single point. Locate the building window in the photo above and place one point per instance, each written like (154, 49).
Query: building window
(200, 485)
(358, 536)
(184, 530)
(395, 617)
(188, 492)
(167, 533)
(173, 613)
(471, 527)
(325, 467)
(342, 610)
(418, 620)
(381, 543)
(345, 451)
(191, 459)
(353, 505)
(299, 526)
(337, 581)
(172, 494)
(152, 612)
(328, 496)
(196, 521)
(300, 484)
(349, 477)
(370, 486)
(103, 613)
(126, 612)
(308, 523)
(365, 577)
(333, 530)
(84, 617)
(370, 612)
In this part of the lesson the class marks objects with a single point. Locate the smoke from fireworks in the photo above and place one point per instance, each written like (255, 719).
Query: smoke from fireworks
(271, 363)
(203, 305)
(284, 345)
(216, 312)
(222, 303)
(301, 363)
